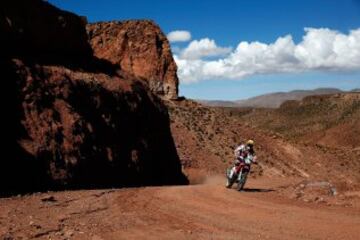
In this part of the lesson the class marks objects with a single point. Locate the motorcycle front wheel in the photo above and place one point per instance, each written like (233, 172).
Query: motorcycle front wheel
(242, 181)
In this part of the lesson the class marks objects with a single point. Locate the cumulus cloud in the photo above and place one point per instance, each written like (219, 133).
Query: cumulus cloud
(179, 36)
(320, 49)
(203, 48)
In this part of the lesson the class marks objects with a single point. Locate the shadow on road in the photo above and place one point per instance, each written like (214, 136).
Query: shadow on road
(257, 190)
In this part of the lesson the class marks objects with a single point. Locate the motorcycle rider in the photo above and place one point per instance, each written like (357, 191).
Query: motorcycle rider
(241, 152)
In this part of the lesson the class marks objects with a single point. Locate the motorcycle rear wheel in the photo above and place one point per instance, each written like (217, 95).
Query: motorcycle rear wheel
(229, 181)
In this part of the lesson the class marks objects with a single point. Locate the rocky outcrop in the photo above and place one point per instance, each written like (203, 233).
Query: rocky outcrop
(40, 30)
(73, 120)
(139, 48)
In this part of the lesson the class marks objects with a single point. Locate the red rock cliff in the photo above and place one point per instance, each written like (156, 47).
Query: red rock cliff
(140, 48)
(72, 120)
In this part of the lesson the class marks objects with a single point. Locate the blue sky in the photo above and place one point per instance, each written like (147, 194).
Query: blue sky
(228, 23)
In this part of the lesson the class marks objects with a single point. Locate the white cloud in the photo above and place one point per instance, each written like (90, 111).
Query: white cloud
(179, 36)
(320, 49)
(203, 48)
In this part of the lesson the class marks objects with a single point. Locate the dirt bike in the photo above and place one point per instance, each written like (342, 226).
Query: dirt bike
(238, 173)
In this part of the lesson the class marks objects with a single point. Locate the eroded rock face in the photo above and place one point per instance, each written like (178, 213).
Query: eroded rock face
(140, 48)
(38, 29)
(73, 120)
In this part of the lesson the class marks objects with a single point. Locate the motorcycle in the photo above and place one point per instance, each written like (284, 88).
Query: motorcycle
(238, 173)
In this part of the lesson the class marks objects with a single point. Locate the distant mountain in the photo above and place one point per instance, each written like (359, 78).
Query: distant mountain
(218, 103)
(272, 100)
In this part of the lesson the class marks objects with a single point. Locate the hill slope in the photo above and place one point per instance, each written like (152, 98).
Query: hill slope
(330, 120)
(205, 138)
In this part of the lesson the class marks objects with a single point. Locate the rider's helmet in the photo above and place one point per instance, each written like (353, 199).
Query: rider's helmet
(250, 143)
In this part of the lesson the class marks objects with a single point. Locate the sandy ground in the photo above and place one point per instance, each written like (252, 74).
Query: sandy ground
(204, 211)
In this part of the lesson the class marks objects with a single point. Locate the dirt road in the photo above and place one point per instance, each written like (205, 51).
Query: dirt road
(206, 211)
